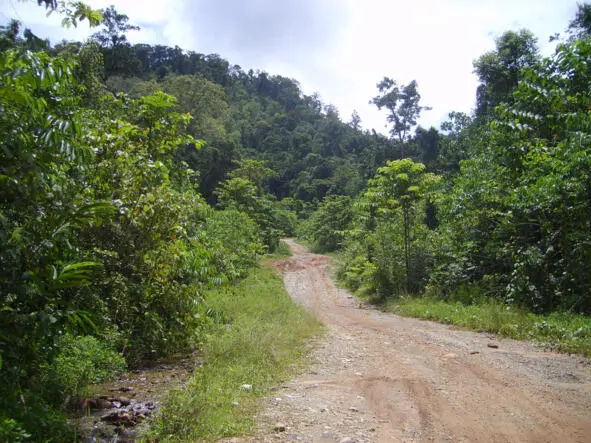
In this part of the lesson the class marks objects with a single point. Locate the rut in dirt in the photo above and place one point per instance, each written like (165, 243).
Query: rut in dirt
(381, 377)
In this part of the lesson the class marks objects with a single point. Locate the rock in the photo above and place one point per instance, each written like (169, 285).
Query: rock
(123, 401)
(246, 387)
(99, 403)
(119, 418)
(125, 389)
(150, 405)
(280, 427)
(493, 345)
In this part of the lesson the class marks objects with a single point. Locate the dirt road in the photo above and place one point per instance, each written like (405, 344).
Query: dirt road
(378, 377)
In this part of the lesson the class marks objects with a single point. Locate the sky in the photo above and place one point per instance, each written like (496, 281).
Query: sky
(338, 48)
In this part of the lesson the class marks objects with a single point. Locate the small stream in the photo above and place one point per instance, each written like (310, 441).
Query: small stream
(116, 410)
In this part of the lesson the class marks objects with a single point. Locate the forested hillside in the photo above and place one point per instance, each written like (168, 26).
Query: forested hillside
(133, 178)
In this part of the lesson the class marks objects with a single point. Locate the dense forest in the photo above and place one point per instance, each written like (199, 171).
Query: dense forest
(133, 178)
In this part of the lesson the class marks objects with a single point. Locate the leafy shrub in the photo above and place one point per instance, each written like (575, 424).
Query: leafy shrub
(81, 361)
(11, 430)
(326, 227)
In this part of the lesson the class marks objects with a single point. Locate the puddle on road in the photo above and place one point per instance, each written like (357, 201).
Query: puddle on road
(114, 411)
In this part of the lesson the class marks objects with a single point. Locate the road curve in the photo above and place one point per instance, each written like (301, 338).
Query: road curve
(379, 377)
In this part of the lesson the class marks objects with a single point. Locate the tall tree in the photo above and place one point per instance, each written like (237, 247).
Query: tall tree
(398, 193)
(117, 53)
(499, 71)
(580, 26)
(115, 27)
(403, 105)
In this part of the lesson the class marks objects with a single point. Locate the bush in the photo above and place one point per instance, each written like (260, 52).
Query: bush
(325, 228)
(81, 361)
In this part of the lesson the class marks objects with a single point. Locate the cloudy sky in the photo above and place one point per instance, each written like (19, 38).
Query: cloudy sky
(338, 48)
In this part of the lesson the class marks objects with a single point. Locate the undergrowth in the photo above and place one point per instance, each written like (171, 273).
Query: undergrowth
(282, 251)
(258, 342)
(563, 332)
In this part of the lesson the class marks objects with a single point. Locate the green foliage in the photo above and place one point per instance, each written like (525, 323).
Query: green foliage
(499, 70)
(390, 240)
(11, 430)
(402, 104)
(559, 331)
(580, 26)
(260, 346)
(282, 250)
(236, 240)
(517, 216)
(243, 195)
(73, 12)
(101, 231)
(107, 245)
(327, 226)
(81, 361)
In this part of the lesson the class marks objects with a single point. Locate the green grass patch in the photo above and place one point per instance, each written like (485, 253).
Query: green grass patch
(563, 332)
(260, 343)
(282, 251)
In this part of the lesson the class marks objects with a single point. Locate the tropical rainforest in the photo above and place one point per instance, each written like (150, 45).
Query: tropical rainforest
(136, 178)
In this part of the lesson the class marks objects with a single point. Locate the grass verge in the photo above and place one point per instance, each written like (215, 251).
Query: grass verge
(282, 251)
(260, 344)
(563, 332)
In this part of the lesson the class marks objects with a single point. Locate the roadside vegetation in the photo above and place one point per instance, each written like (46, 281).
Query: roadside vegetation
(559, 331)
(259, 344)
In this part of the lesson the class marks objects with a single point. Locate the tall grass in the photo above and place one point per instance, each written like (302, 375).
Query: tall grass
(564, 332)
(261, 343)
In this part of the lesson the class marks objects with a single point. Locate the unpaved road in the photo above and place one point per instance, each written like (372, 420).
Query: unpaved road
(378, 377)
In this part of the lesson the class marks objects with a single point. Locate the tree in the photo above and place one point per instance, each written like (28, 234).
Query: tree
(211, 121)
(255, 171)
(117, 53)
(326, 227)
(548, 153)
(402, 104)
(427, 142)
(397, 195)
(499, 71)
(355, 120)
(516, 222)
(580, 26)
(73, 11)
(242, 195)
(115, 27)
